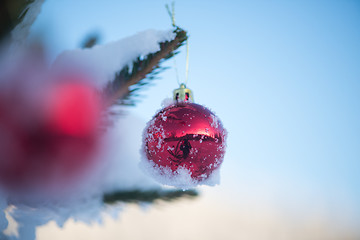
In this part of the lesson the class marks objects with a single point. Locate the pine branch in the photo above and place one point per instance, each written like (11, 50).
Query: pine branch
(90, 41)
(151, 196)
(144, 69)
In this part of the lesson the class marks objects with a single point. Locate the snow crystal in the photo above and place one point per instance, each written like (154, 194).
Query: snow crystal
(13, 227)
(167, 102)
(23, 219)
(104, 61)
(163, 116)
(3, 220)
(215, 121)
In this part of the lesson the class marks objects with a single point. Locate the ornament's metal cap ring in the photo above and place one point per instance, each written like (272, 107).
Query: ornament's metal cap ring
(183, 94)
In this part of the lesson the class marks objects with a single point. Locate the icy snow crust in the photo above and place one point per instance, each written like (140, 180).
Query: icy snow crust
(106, 60)
(154, 164)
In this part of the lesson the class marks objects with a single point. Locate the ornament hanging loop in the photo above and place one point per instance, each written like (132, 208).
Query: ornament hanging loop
(183, 94)
(187, 61)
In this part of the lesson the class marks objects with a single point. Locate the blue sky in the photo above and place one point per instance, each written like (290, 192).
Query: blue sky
(283, 76)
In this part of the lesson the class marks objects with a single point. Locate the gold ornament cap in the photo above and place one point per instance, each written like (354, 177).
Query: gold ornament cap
(183, 94)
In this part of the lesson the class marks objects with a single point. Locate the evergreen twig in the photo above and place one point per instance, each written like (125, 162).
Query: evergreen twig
(143, 70)
(149, 196)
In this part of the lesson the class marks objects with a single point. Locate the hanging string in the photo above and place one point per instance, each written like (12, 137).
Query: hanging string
(171, 13)
(172, 17)
(176, 72)
(187, 62)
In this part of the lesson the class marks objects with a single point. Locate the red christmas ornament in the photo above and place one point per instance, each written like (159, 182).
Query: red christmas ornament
(185, 136)
(73, 109)
(48, 145)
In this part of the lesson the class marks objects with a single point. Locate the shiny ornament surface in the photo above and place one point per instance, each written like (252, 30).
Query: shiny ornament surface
(188, 136)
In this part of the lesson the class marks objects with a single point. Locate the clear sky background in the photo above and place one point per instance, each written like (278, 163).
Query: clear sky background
(284, 78)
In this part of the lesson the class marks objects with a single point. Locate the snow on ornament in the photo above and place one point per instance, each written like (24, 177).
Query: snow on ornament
(184, 143)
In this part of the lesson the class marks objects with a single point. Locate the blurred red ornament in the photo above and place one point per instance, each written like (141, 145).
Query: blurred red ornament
(74, 109)
(186, 135)
(51, 142)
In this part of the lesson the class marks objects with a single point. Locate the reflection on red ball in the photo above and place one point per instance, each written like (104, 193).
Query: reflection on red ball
(48, 144)
(186, 135)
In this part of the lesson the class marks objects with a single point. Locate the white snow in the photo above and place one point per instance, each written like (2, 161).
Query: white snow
(3, 220)
(181, 178)
(215, 121)
(122, 143)
(167, 102)
(104, 61)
